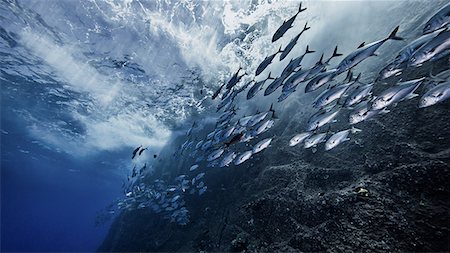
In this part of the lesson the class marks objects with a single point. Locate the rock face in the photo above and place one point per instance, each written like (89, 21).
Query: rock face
(389, 191)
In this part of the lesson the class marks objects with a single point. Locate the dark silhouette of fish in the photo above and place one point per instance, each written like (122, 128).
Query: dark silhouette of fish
(135, 151)
(266, 62)
(292, 43)
(286, 25)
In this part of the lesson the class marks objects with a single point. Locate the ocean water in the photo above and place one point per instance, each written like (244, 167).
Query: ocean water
(85, 83)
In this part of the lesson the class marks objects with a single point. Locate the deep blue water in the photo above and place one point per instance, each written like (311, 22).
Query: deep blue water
(49, 200)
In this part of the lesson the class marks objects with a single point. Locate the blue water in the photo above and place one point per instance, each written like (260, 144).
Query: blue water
(49, 202)
(83, 83)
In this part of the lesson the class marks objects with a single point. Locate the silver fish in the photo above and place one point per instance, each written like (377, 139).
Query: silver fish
(243, 157)
(364, 112)
(438, 20)
(334, 93)
(199, 144)
(261, 145)
(435, 95)
(339, 137)
(193, 167)
(320, 80)
(227, 159)
(358, 95)
(363, 52)
(263, 127)
(402, 91)
(431, 50)
(215, 154)
(319, 120)
(314, 140)
(298, 138)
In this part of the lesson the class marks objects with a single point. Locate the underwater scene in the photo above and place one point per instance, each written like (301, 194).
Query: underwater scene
(225, 126)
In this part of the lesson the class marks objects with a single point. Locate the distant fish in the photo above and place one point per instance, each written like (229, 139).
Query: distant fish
(261, 145)
(314, 140)
(193, 167)
(266, 62)
(292, 43)
(434, 49)
(215, 154)
(135, 151)
(199, 176)
(402, 91)
(202, 190)
(363, 52)
(435, 95)
(439, 20)
(243, 157)
(234, 79)
(142, 150)
(286, 25)
(298, 138)
(206, 145)
(217, 92)
(339, 137)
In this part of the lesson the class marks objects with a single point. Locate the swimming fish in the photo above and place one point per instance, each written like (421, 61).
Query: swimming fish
(363, 52)
(266, 62)
(314, 140)
(286, 25)
(393, 95)
(243, 157)
(319, 120)
(437, 94)
(298, 138)
(439, 20)
(227, 159)
(293, 42)
(432, 50)
(339, 137)
(262, 145)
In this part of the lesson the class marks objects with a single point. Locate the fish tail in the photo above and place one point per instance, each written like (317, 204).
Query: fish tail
(309, 51)
(393, 35)
(306, 27)
(300, 8)
(335, 53)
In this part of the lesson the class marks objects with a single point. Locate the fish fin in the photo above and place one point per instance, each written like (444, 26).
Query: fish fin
(308, 51)
(393, 35)
(349, 76)
(269, 77)
(410, 96)
(357, 78)
(374, 54)
(279, 49)
(355, 130)
(361, 45)
(320, 60)
(335, 53)
(385, 110)
(306, 27)
(300, 8)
